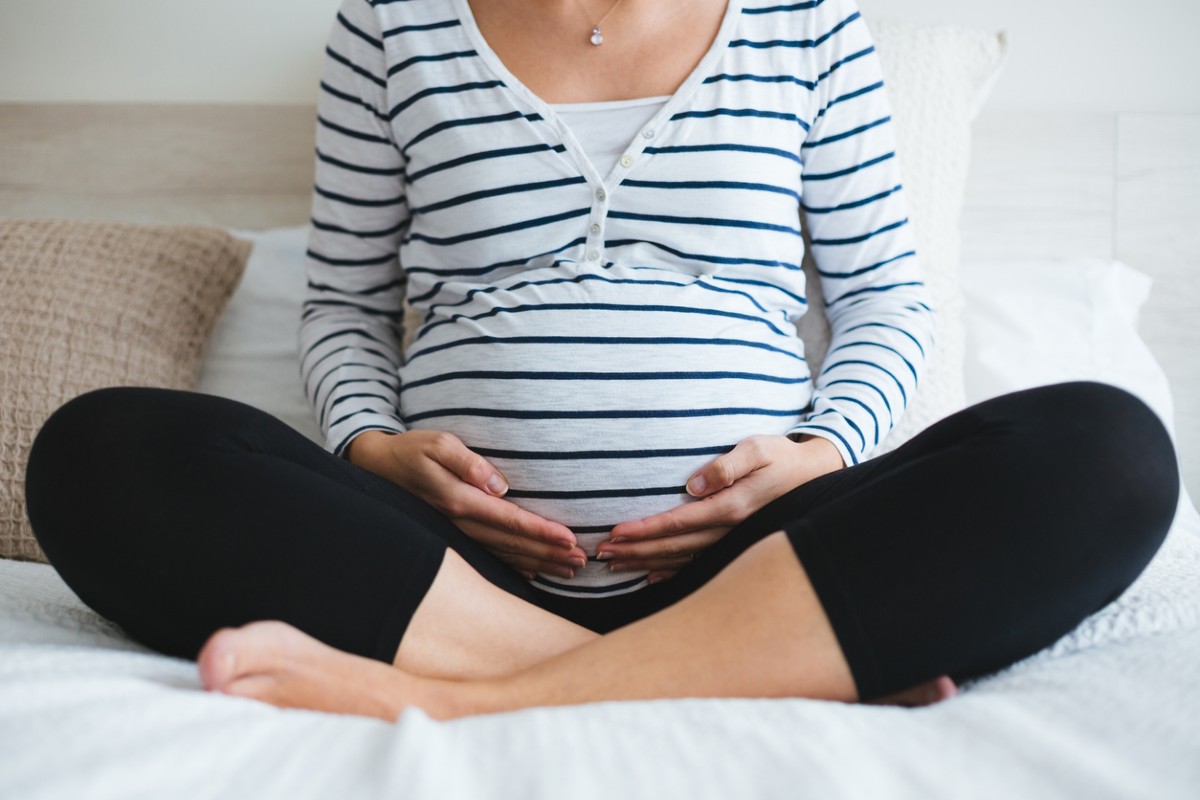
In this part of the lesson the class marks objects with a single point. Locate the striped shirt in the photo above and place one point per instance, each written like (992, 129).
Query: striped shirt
(600, 337)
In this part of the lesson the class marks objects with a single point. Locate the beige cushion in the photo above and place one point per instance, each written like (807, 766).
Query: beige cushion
(937, 78)
(91, 304)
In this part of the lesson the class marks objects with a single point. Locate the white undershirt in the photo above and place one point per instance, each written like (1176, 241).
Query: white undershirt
(605, 128)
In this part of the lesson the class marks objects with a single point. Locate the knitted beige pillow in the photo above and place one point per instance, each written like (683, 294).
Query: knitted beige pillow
(937, 79)
(91, 304)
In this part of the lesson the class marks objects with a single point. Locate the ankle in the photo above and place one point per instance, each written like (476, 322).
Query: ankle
(444, 699)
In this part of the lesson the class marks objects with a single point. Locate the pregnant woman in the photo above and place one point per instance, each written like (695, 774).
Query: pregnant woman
(592, 462)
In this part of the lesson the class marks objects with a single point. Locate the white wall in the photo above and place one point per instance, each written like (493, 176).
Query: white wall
(1101, 55)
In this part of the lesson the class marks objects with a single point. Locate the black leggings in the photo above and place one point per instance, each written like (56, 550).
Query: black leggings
(982, 540)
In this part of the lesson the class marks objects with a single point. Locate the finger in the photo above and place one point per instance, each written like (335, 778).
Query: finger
(531, 566)
(468, 466)
(508, 516)
(713, 511)
(650, 564)
(661, 575)
(682, 545)
(724, 470)
(505, 544)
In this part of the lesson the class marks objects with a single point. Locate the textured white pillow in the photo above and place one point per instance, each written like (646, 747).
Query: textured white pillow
(937, 78)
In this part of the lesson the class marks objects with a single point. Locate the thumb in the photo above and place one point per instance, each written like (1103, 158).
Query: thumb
(722, 471)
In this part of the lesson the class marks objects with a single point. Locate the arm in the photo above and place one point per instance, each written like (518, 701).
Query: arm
(882, 324)
(351, 326)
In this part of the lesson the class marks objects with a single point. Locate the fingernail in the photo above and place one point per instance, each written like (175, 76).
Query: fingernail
(567, 543)
(578, 562)
(566, 573)
(603, 555)
(654, 579)
(615, 566)
(616, 539)
(529, 575)
(697, 485)
(496, 485)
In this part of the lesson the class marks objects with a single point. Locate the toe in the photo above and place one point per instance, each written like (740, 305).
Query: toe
(925, 694)
(945, 688)
(258, 647)
(254, 687)
(217, 661)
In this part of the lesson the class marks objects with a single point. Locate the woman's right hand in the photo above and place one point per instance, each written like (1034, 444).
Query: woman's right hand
(441, 470)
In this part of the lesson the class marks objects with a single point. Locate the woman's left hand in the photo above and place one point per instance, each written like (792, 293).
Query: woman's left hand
(733, 486)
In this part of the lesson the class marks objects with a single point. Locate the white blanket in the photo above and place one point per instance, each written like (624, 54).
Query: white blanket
(1110, 710)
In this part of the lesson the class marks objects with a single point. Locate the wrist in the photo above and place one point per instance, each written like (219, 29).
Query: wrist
(830, 458)
(363, 447)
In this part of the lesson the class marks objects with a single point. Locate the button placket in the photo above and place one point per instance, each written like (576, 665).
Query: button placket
(595, 241)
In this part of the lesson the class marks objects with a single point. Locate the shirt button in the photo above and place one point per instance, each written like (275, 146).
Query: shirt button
(600, 194)
(648, 133)
(594, 228)
(626, 161)
(592, 255)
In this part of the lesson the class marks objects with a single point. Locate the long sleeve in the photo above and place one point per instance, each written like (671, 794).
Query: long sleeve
(882, 325)
(351, 334)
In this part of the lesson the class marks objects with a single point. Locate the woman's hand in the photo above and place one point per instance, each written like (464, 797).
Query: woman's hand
(437, 467)
(733, 486)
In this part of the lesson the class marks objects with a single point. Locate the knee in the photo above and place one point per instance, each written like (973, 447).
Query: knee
(1109, 440)
(67, 430)
(81, 455)
(56, 476)
(82, 426)
(1107, 426)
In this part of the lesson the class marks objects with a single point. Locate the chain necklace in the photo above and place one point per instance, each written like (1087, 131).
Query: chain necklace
(598, 37)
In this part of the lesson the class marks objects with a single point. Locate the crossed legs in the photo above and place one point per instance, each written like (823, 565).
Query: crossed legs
(705, 645)
(983, 539)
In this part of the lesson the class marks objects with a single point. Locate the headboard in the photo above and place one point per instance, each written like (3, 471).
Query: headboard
(1044, 185)
(247, 167)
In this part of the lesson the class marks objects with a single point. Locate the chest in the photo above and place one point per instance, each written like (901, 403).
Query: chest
(497, 184)
(648, 49)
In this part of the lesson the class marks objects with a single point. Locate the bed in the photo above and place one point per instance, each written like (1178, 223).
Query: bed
(1110, 710)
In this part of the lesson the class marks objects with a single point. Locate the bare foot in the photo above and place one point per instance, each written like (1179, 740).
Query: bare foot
(276, 663)
(926, 694)
(279, 664)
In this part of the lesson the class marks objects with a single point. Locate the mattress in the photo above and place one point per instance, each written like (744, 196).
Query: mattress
(1111, 710)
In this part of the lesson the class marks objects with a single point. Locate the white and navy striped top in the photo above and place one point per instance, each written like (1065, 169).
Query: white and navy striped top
(600, 337)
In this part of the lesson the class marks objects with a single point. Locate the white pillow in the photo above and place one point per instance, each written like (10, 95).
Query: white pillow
(1035, 322)
(252, 355)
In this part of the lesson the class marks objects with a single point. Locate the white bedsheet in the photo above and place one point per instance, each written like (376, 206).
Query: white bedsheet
(1112, 710)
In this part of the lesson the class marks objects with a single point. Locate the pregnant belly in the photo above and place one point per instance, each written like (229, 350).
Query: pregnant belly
(597, 403)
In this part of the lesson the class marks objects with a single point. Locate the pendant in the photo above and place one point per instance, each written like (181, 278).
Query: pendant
(597, 38)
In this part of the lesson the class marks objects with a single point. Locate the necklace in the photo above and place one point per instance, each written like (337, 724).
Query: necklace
(598, 37)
